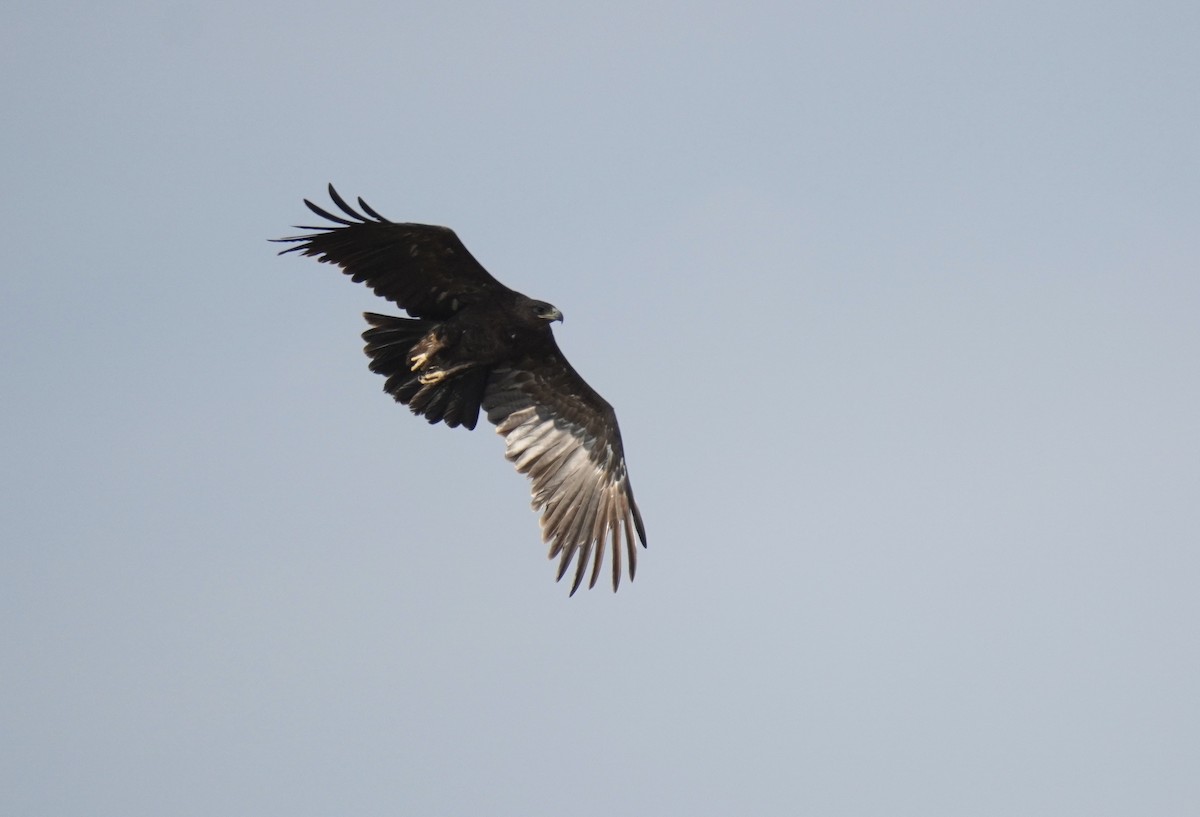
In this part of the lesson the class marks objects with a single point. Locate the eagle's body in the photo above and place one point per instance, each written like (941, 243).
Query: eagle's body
(471, 344)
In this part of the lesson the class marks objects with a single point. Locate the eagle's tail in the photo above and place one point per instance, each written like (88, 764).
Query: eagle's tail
(454, 400)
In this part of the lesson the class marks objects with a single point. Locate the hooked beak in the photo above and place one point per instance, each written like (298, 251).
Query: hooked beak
(551, 314)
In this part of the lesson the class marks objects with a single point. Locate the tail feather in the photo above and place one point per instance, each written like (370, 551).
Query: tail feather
(454, 401)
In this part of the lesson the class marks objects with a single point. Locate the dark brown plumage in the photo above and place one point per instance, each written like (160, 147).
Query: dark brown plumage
(473, 343)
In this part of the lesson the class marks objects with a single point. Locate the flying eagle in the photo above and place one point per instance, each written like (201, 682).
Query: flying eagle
(472, 342)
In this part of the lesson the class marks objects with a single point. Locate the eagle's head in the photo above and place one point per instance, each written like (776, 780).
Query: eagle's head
(546, 312)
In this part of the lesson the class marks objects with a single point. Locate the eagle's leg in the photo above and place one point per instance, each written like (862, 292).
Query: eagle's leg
(427, 356)
(426, 348)
(431, 376)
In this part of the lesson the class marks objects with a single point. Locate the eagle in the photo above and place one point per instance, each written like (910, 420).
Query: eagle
(471, 343)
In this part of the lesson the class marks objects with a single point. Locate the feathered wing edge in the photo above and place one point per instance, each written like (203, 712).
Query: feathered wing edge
(580, 482)
(423, 268)
(355, 218)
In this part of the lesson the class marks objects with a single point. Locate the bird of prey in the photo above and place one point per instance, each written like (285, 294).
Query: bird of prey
(472, 342)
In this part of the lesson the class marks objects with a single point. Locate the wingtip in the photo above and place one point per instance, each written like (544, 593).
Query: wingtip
(342, 205)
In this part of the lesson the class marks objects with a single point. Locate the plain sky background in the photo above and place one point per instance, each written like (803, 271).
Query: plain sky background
(898, 304)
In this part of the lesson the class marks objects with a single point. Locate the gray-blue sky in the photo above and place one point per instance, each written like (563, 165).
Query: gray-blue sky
(898, 308)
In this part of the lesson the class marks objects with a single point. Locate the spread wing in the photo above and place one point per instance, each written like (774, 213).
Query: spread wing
(564, 436)
(424, 269)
